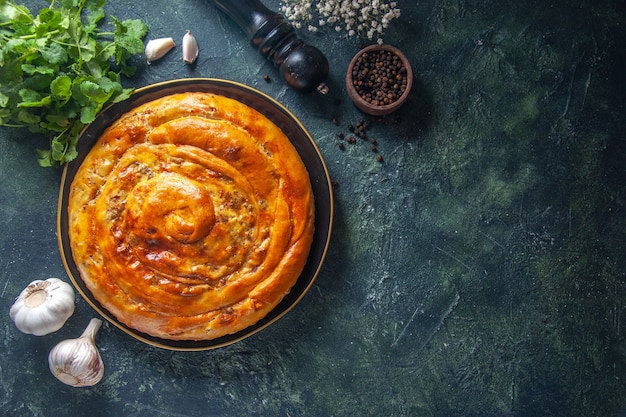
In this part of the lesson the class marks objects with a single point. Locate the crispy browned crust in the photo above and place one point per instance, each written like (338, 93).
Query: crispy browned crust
(191, 217)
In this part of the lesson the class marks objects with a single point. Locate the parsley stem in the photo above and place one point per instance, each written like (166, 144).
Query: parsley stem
(35, 36)
(21, 58)
(20, 11)
(109, 46)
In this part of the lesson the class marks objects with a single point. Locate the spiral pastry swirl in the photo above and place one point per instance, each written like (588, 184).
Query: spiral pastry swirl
(191, 217)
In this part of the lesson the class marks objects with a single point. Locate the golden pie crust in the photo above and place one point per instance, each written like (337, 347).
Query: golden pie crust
(191, 217)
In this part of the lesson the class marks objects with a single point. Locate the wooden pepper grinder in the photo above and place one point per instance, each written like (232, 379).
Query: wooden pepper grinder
(303, 66)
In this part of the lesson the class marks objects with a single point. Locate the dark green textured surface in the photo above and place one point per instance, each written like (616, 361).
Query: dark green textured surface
(478, 271)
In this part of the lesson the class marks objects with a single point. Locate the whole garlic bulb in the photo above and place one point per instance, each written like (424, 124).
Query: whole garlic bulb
(77, 362)
(43, 306)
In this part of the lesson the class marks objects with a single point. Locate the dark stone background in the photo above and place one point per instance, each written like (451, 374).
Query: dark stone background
(478, 271)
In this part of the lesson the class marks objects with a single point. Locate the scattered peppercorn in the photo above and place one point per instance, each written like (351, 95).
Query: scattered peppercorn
(379, 77)
(267, 78)
(358, 130)
(335, 121)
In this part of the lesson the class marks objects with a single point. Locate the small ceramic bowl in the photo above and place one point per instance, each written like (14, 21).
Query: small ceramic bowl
(372, 93)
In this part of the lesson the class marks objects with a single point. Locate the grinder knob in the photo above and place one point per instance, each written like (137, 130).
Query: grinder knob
(302, 66)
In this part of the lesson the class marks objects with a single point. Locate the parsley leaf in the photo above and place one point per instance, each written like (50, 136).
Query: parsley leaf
(58, 69)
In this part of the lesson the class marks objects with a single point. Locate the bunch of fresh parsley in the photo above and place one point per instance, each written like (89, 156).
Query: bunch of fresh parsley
(60, 68)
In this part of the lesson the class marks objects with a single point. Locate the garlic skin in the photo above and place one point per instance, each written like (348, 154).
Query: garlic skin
(77, 362)
(157, 48)
(190, 48)
(43, 307)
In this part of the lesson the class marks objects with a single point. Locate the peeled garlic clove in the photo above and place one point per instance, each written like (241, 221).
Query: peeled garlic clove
(190, 48)
(77, 362)
(43, 306)
(157, 48)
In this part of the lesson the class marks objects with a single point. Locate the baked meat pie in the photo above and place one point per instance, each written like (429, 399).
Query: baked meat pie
(191, 217)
